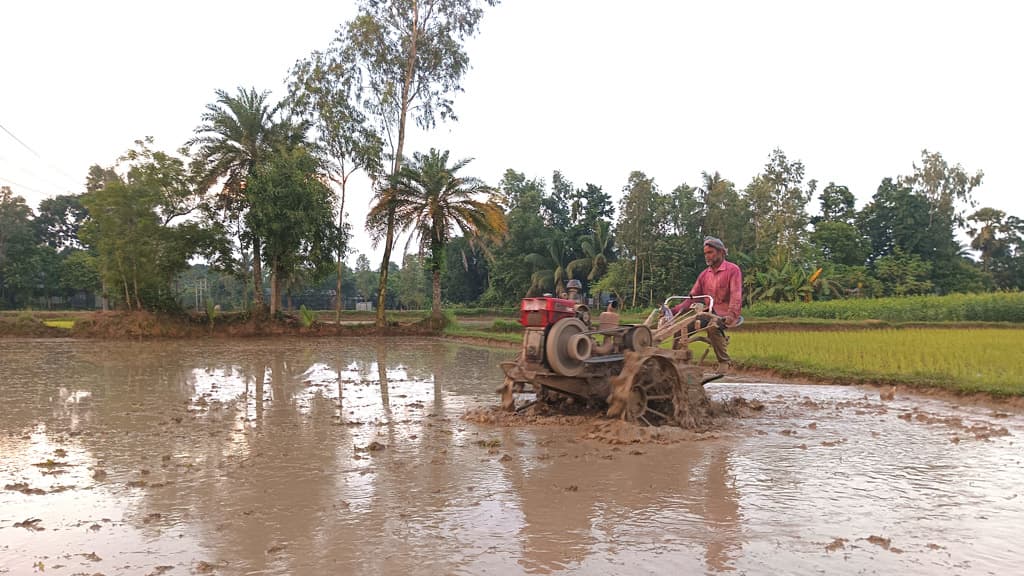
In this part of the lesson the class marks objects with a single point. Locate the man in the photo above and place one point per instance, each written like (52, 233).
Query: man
(723, 281)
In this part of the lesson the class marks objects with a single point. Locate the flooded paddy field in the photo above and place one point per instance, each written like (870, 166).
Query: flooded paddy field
(354, 456)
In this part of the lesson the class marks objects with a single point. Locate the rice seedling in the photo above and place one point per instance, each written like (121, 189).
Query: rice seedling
(971, 360)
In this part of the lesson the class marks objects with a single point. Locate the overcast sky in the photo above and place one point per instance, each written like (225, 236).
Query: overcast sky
(596, 89)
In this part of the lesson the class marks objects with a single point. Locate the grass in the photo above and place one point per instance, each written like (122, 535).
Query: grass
(501, 336)
(971, 360)
(65, 324)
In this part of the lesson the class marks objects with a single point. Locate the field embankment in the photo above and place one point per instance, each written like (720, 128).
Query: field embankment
(960, 343)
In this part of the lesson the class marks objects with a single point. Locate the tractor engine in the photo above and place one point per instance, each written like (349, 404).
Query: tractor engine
(558, 336)
(538, 316)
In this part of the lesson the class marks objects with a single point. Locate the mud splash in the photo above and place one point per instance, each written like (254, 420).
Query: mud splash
(592, 424)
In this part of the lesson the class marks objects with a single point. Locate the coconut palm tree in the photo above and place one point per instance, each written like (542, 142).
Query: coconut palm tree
(237, 134)
(551, 270)
(431, 200)
(597, 247)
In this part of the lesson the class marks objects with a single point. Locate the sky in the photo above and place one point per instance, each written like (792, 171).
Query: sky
(593, 88)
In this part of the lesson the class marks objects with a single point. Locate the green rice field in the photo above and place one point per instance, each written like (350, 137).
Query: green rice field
(987, 307)
(969, 360)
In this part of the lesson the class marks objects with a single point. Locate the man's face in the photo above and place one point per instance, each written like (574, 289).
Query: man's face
(712, 256)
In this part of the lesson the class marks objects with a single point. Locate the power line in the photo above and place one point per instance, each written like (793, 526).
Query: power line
(18, 140)
(32, 174)
(29, 148)
(13, 183)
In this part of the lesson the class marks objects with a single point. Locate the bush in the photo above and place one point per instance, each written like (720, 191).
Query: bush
(306, 316)
(506, 326)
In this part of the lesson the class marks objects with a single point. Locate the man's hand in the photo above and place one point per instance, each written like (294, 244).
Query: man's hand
(730, 321)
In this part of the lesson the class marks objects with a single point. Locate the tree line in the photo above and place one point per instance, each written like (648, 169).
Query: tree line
(258, 195)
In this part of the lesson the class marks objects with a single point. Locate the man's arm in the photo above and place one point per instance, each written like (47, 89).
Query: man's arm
(735, 296)
(687, 304)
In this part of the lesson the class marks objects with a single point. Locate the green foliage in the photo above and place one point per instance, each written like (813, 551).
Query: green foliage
(306, 317)
(903, 274)
(212, 311)
(639, 226)
(509, 279)
(17, 248)
(405, 61)
(618, 281)
(291, 210)
(550, 269)
(778, 199)
(239, 134)
(784, 280)
(501, 325)
(840, 243)
(464, 277)
(597, 250)
(431, 200)
(946, 188)
(413, 283)
(723, 213)
(59, 220)
(80, 272)
(1000, 241)
(990, 307)
(837, 204)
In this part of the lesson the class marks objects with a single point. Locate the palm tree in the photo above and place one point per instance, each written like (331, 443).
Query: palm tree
(550, 270)
(237, 134)
(597, 248)
(431, 200)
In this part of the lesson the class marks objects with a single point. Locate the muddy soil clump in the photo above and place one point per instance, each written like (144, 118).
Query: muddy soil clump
(715, 415)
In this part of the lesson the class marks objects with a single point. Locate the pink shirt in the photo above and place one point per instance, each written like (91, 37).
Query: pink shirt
(725, 285)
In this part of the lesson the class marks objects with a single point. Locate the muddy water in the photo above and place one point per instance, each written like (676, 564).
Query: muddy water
(352, 457)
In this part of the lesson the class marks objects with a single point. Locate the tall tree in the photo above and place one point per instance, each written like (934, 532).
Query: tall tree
(835, 233)
(291, 209)
(323, 91)
(837, 204)
(556, 207)
(638, 225)
(521, 198)
(986, 233)
(59, 220)
(237, 134)
(725, 214)
(840, 243)
(999, 240)
(409, 58)
(778, 199)
(597, 250)
(592, 205)
(467, 271)
(17, 247)
(947, 188)
(139, 252)
(550, 269)
(431, 200)
(412, 284)
(366, 280)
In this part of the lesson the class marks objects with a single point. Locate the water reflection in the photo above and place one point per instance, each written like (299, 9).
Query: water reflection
(314, 456)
